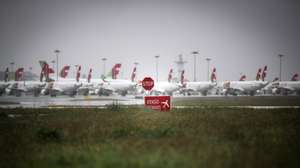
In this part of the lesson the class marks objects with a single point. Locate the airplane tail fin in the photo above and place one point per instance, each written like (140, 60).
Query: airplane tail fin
(170, 75)
(64, 71)
(6, 75)
(46, 70)
(264, 73)
(182, 78)
(213, 76)
(133, 74)
(275, 79)
(243, 78)
(116, 70)
(18, 74)
(78, 73)
(89, 76)
(295, 77)
(258, 74)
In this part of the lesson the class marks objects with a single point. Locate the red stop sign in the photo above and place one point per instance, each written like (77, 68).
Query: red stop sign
(148, 83)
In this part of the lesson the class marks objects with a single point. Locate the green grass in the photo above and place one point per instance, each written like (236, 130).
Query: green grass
(239, 101)
(138, 137)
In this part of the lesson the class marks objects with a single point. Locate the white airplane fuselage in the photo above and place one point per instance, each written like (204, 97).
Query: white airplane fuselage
(164, 87)
(119, 86)
(244, 87)
(285, 87)
(3, 86)
(65, 87)
(203, 87)
(27, 87)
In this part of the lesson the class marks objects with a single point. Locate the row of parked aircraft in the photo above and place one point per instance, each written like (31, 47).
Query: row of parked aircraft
(111, 84)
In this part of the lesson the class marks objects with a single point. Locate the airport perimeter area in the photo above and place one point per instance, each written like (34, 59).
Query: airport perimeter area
(198, 132)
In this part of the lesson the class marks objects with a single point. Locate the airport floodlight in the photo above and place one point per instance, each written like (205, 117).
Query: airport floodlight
(156, 63)
(195, 53)
(12, 70)
(57, 53)
(208, 60)
(280, 66)
(53, 63)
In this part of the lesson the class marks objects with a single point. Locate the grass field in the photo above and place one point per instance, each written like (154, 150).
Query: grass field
(138, 137)
(239, 101)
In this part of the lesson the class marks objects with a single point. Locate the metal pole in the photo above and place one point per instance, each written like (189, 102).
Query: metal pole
(76, 68)
(30, 70)
(195, 53)
(280, 66)
(208, 60)
(53, 62)
(103, 59)
(56, 52)
(136, 64)
(156, 61)
(12, 70)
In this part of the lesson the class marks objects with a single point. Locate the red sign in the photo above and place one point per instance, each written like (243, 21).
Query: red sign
(148, 83)
(162, 103)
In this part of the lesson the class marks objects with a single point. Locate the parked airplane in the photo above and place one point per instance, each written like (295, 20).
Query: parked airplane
(64, 86)
(20, 86)
(202, 86)
(112, 84)
(166, 87)
(4, 84)
(246, 87)
(287, 87)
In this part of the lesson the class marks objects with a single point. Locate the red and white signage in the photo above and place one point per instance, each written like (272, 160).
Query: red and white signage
(162, 103)
(148, 83)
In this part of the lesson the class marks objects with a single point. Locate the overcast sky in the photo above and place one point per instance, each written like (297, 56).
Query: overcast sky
(239, 35)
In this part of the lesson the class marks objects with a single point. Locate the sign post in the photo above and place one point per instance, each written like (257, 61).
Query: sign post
(162, 103)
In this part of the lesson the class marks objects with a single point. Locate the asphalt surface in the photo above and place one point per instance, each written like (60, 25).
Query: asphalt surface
(177, 101)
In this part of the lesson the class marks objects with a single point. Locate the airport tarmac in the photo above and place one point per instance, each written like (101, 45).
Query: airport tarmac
(66, 101)
(267, 102)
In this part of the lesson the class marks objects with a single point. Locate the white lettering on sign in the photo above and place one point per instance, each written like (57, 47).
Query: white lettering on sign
(154, 101)
(147, 83)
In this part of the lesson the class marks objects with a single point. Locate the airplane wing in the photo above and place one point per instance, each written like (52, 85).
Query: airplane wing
(108, 88)
(187, 90)
(56, 89)
(288, 88)
(237, 88)
(159, 90)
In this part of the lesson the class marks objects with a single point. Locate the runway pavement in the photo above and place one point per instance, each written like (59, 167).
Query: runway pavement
(177, 101)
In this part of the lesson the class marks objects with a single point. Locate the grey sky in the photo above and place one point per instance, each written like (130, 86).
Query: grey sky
(240, 36)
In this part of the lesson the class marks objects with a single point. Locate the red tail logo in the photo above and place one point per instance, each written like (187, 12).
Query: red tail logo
(243, 78)
(116, 70)
(275, 79)
(46, 70)
(18, 74)
(64, 71)
(264, 73)
(295, 77)
(258, 75)
(213, 76)
(170, 75)
(182, 78)
(133, 74)
(78, 73)
(89, 76)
